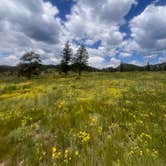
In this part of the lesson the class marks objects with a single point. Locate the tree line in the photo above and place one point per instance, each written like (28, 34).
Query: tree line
(30, 63)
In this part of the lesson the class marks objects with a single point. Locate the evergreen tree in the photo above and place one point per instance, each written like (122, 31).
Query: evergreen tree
(121, 68)
(29, 65)
(164, 67)
(66, 58)
(80, 59)
(148, 68)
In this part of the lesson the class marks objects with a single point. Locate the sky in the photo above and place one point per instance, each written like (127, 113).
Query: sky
(132, 31)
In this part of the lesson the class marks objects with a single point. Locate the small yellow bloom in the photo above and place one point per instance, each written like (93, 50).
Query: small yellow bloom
(59, 153)
(40, 158)
(76, 153)
(53, 155)
(100, 129)
(54, 149)
(66, 153)
(154, 153)
(131, 152)
(147, 150)
(141, 153)
(44, 153)
(84, 136)
(93, 121)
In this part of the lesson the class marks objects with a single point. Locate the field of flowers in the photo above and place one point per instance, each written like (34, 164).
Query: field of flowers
(101, 119)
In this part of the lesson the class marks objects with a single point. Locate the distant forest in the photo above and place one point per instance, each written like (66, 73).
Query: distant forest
(31, 64)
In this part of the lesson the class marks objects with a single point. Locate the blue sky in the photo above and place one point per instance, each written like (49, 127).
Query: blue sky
(133, 31)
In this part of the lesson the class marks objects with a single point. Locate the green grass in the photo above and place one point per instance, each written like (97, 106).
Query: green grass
(101, 119)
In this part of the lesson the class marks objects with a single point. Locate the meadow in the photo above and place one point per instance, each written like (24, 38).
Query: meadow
(100, 119)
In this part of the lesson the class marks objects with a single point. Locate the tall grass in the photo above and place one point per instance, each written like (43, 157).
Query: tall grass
(101, 119)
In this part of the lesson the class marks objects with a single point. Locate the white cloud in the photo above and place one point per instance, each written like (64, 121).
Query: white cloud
(135, 62)
(107, 11)
(162, 59)
(96, 61)
(33, 18)
(114, 62)
(28, 25)
(98, 20)
(130, 45)
(149, 28)
(125, 54)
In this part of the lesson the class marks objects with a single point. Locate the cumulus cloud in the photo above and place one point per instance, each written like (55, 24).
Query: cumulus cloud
(107, 11)
(135, 62)
(125, 54)
(33, 18)
(27, 25)
(149, 28)
(96, 61)
(98, 20)
(114, 62)
(162, 59)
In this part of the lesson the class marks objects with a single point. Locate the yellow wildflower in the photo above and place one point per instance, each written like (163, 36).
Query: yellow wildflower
(76, 153)
(84, 136)
(55, 153)
(93, 121)
(66, 153)
(100, 129)
(154, 153)
(54, 149)
(44, 153)
(141, 153)
(131, 152)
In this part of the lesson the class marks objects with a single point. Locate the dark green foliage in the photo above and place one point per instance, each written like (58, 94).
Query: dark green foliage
(66, 58)
(12, 70)
(5, 68)
(129, 67)
(80, 59)
(148, 67)
(158, 67)
(109, 69)
(121, 67)
(29, 65)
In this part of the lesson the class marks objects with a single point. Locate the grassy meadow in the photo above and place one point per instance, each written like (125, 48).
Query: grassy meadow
(101, 119)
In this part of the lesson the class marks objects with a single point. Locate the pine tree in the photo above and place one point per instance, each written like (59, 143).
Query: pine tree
(121, 68)
(148, 68)
(29, 65)
(66, 58)
(80, 59)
